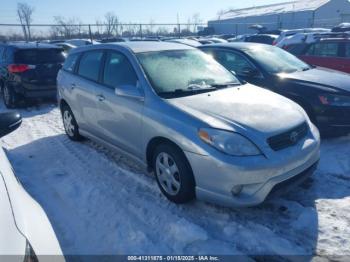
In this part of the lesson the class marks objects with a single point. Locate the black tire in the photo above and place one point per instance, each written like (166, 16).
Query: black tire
(186, 192)
(9, 96)
(73, 134)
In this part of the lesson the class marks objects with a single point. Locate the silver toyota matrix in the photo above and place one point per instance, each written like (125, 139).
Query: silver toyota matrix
(204, 133)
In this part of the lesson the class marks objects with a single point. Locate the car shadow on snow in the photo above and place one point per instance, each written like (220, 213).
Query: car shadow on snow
(97, 207)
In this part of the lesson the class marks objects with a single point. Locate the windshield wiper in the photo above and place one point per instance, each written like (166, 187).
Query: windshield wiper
(224, 85)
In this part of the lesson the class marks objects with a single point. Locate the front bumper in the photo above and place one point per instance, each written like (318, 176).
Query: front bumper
(256, 176)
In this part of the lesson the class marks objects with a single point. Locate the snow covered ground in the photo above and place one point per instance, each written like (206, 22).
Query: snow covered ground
(100, 202)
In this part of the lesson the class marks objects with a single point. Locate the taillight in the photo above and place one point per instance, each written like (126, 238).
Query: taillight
(274, 43)
(19, 68)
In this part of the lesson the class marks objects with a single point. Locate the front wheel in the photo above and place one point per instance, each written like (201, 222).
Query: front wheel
(174, 174)
(70, 124)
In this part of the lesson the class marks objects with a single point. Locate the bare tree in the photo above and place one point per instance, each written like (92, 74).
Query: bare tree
(25, 12)
(112, 22)
(150, 27)
(196, 21)
(67, 27)
(221, 13)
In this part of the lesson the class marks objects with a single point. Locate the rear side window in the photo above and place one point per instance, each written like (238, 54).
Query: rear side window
(323, 49)
(118, 71)
(39, 56)
(90, 65)
(70, 62)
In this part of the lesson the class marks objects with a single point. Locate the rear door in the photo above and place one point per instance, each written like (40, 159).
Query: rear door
(43, 66)
(324, 54)
(81, 90)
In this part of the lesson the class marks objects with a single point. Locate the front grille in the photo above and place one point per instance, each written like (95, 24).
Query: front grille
(288, 138)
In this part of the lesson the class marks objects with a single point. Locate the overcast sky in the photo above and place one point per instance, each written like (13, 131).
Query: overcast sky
(138, 11)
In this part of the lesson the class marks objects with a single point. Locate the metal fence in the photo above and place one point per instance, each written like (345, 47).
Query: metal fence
(97, 31)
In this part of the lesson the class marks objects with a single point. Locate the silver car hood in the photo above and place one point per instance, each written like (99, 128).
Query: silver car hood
(245, 107)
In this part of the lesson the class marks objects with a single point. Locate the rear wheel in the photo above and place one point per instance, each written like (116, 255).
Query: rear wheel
(174, 174)
(9, 96)
(70, 124)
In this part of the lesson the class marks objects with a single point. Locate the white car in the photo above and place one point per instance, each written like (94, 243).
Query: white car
(288, 33)
(25, 230)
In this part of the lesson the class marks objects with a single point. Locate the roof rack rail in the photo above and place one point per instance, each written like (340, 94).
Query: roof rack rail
(332, 35)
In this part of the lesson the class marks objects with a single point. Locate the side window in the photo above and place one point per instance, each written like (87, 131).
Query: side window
(90, 64)
(323, 49)
(118, 71)
(70, 62)
(233, 61)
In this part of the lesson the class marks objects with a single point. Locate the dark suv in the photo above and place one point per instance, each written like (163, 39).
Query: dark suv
(29, 71)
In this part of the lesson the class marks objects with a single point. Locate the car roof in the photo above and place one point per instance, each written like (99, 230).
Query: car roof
(138, 46)
(235, 45)
(20, 45)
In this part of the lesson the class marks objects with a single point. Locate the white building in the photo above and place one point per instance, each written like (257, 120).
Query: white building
(288, 15)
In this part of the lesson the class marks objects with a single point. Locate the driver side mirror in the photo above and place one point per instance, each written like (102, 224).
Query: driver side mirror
(9, 122)
(130, 91)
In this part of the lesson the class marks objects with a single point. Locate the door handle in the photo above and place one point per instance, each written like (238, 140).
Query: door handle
(100, 98)
(73, 86)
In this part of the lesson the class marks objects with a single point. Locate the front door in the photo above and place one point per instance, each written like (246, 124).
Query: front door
(120, 117)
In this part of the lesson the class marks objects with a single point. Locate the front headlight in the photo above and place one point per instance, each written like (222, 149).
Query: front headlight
(228, 142)
(335, 100)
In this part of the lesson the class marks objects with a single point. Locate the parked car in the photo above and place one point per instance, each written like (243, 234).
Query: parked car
(211, 40)
(29, 71)
(261, 38)
(66, 47)
(112, 40)
(25, 229)
(178, 112)
(185, 41)
(291, 32)
(343, 27)
(323, 93)
(256, 38)
(330, 50)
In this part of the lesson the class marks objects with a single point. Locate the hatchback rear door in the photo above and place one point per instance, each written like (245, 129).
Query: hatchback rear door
(39, 66)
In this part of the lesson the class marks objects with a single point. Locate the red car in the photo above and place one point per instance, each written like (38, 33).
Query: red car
(329, 52)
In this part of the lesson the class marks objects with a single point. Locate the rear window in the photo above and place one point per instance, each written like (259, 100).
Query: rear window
(70, 62)
(39, 56)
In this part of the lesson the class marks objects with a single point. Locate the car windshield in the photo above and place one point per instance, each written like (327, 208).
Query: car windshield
(184, 72)
(275, 60)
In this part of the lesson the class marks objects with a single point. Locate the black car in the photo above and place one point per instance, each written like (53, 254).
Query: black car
(261, 38)
(323, 93)
(29, 71)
